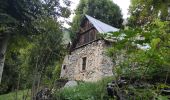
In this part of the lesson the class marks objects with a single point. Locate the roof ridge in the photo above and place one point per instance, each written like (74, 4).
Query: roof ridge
(96, 23)
(101, 26)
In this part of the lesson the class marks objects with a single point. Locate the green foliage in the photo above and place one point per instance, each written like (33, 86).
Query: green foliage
(56, 72)
(141, 94)
(84, 91)
(27, 57)
(15, 57)
(160, 97)
(145, 93)
(150, 63)
(143, 12)
(17, 16)
(47, 51)
(35, 44)
(97, 91)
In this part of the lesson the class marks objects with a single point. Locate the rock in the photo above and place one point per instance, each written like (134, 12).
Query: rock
(44, 94)
(71, 84)
(60, 83)
(110, 90)
(121, 82)
(114, 92)
(166, 91)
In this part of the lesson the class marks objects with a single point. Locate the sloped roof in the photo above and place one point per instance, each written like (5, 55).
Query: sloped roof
(100, 26)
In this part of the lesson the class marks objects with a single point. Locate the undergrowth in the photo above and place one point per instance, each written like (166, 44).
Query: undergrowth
(85, 91)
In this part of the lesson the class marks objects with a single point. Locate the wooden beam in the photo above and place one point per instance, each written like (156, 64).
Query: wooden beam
(87, 30)
(85, 44)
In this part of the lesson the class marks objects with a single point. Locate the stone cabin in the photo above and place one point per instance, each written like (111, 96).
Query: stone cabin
(87, 60)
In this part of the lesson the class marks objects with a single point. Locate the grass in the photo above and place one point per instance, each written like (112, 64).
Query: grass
(97, 91)
(84, 91)
(12, 95)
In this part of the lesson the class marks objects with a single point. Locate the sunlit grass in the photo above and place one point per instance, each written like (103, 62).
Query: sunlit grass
(20, 95)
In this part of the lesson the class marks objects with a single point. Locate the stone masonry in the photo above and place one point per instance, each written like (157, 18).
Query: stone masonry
(98, 65)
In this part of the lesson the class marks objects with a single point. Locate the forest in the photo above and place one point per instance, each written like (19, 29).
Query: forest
(32, 50)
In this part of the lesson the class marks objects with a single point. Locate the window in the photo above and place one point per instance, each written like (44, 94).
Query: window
(84, 63)
(64, 67)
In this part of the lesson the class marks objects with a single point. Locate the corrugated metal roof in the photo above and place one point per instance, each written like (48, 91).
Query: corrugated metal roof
(100, 26)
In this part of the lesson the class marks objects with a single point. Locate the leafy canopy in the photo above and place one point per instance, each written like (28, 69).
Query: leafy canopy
(142, 12)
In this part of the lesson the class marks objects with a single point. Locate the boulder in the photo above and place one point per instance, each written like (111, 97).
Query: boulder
(71, 84)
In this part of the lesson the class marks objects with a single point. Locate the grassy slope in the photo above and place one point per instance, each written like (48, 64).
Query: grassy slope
(12, 95)
(97, 91)
(84, 91)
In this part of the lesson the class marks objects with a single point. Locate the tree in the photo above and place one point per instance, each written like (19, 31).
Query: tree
(142, 55)
(142, 12)
(17, 17)
(104, 10)
(47, 51)
(33, 62)
(13, 66)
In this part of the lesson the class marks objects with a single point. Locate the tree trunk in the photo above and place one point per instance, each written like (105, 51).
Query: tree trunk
(3, 47)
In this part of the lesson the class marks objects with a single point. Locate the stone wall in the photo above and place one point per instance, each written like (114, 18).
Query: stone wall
(98, 64)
